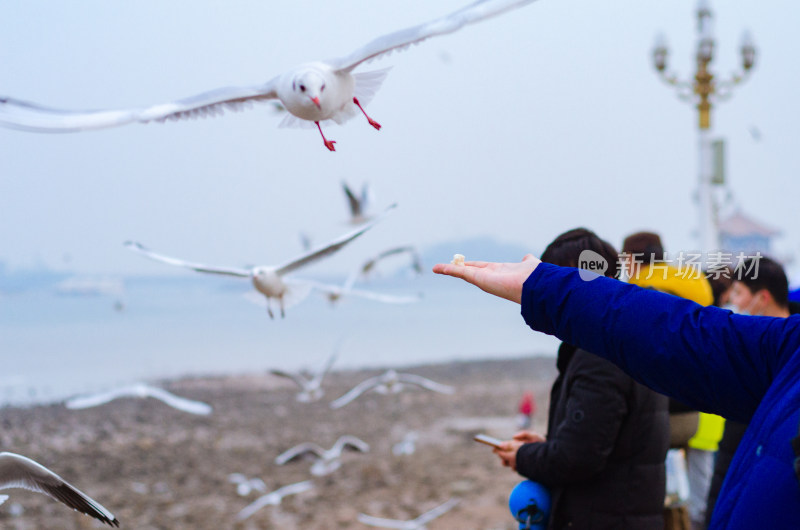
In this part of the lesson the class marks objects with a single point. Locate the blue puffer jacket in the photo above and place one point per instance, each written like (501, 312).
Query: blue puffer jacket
(739, 367)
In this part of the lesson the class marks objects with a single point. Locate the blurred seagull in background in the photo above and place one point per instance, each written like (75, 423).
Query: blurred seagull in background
(416, 260)
(246, 485)
(415, 524)
(17, 471)
(358, 205)
(139, 390)
(312, 93)
(406, 446)
(326, 461)
(269, 280)
(390, 382)
(310, 387)
(274, 498)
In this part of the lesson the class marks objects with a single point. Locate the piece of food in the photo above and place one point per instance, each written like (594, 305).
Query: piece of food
(458, 259)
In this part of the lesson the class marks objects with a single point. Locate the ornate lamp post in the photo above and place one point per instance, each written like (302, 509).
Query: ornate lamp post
(704, 91)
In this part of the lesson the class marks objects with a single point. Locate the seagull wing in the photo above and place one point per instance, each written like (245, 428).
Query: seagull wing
(330, 248)
(17, 471)
(176, 402)
(301, 381)
(199, 267)
(474, 12)
(429, 516)
(349, 441)
(299, 450)
(94, 400)
(250, 509)
(356, 391)
(27, 116)
(426, 383)
(3, 498)
(384, 523)
(352, 200)
(291, 489)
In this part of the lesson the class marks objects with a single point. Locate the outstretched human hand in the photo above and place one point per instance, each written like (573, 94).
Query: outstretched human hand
(500, 279)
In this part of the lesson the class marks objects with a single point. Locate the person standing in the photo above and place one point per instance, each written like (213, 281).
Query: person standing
(607, 435)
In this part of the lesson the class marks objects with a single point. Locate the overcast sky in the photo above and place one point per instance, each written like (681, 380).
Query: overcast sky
(520, 127)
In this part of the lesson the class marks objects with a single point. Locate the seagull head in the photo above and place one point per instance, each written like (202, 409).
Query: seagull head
(309, 87)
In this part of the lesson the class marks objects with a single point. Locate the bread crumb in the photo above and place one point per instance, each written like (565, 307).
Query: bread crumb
(458, 259)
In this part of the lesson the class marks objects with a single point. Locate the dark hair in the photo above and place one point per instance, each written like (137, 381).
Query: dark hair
(566, 249)
(761, 272)
(644, 247)
(720, 280)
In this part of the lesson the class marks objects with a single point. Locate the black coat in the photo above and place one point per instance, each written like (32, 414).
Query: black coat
(604, 456)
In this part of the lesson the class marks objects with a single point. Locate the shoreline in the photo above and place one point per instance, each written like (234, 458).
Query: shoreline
(156, 467)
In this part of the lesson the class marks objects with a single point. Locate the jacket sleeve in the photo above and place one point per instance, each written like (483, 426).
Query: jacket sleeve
(706, 357)
(579, 446)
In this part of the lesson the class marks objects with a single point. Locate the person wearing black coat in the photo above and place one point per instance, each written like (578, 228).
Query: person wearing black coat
(607, 436)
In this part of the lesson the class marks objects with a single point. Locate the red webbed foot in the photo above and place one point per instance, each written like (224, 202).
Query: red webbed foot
(329, 145)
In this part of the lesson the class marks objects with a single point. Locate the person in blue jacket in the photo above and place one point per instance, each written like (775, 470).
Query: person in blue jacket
(740, 367)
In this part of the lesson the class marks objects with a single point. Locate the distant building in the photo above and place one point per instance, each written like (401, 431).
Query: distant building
(740, 233)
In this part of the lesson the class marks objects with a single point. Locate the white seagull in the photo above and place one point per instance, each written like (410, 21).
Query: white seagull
(390, 382)
(310, 387)
(274, 498)
(245, 485)
(269, 280)
(139, 390)
(415, 524)
(311, 93)
(326, 461)
(17, 471)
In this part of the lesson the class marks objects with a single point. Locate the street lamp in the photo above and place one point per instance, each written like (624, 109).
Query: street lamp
(704, 91)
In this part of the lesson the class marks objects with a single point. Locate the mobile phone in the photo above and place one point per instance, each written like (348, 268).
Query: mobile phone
(488, 440)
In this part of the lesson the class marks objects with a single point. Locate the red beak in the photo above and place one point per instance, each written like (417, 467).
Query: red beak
(316, 102)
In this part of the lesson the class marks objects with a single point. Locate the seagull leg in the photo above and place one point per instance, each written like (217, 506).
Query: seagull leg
(328, 143)
(269, 309)
(370, 120)
(280, 302)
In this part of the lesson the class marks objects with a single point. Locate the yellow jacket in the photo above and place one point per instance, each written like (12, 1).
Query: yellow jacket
(686, 283)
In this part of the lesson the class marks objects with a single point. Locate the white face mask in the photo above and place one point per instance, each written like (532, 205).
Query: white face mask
(747, 311)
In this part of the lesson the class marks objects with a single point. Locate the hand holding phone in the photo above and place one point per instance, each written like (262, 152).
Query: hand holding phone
(488, 440)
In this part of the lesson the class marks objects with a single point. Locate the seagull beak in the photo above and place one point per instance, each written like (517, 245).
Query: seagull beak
(316, 102)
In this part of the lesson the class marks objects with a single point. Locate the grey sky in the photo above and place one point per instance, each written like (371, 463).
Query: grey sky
(521, 127)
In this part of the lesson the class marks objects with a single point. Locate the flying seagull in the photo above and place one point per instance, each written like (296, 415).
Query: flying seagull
(269, 280)
(314, 92)
(390, 382)
(139, 390)
(274, 498)
(357, 204)
(17, 471)
(416, 260)
(326, 461)
(310, 388)
(415, 524)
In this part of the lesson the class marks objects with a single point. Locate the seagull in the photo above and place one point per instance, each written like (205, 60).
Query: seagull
(327, 461)
(139, 390)
(358, 205)
(406, 446)
(17, 471)
(415, 524)
(268, 280)
(416, 260)
(311, 388)
(389, 382)
(245, 485)
(315, 92)
(274, 498)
